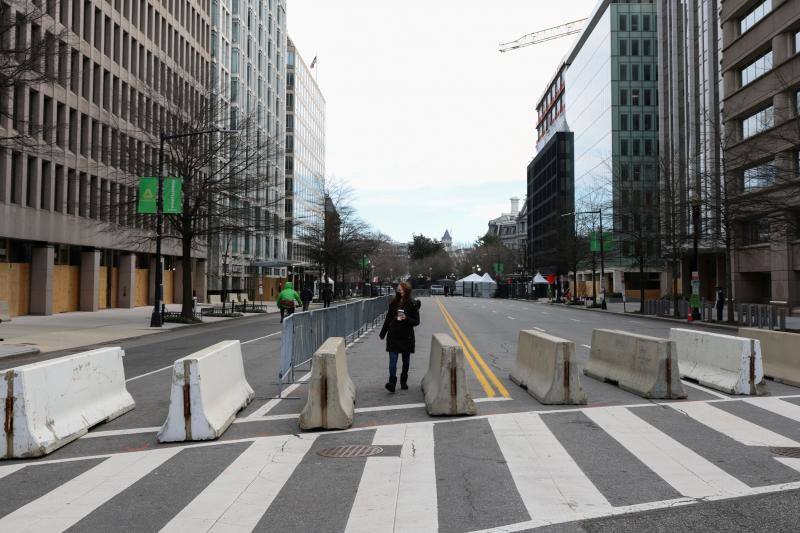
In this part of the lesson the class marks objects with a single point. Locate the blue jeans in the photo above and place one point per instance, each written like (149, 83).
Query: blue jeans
(393, 365)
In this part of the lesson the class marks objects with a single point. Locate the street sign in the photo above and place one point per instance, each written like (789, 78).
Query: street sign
(694, 301)
(363, 262)
(173, 196)
(148, 192)
(594, 241)
(498, 268)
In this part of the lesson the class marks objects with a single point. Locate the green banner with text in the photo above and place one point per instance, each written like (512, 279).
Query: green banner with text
(172, 195)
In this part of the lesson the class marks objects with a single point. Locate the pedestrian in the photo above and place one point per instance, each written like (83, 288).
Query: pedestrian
(327, 295)
(398, 330)
(446, 291)
(286, 300)
(306, 295)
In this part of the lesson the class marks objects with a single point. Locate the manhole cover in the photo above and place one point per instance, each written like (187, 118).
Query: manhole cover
(786, 452)
(352, 450)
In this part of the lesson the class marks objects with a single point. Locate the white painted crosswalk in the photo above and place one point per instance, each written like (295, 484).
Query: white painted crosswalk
(401, 490)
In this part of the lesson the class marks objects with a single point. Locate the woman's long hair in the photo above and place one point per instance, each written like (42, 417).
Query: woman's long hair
(401, 301)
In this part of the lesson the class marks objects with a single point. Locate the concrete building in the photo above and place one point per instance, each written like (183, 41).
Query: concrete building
(761, 96)
(305, 162)
(690, 139)
(248, 71)
(505, 227)
(611, 105)
(115, 74)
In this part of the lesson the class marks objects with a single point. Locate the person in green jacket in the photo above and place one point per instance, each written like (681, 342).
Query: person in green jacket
(286, 300)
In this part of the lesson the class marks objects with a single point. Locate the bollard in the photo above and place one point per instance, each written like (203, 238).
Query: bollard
(782, 319)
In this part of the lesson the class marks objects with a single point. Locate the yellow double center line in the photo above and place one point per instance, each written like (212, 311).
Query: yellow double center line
(476, 362)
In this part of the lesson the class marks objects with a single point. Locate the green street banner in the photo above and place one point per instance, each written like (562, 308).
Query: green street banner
(172, 196)
(594, 241)
(498, 268)
(148, 192)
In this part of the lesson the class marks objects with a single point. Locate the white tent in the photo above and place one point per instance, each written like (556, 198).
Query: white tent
(538, 279)
(475, 285)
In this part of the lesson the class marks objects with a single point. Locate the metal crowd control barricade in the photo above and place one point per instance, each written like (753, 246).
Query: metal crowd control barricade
(303, 333)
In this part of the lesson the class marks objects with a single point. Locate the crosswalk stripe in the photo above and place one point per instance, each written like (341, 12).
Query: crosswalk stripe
(777, 406)
(10, 469)
(238, 498)
(401, 488)
(550, 483)
(66, 505)
(417, 508)
(687, 472)
(734, 427)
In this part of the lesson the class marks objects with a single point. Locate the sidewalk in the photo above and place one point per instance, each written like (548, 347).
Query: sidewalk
(27, 334)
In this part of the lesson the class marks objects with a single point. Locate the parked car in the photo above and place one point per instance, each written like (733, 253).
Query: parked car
(437, 289)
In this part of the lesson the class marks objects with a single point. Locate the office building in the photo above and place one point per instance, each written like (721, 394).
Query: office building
(611, 105)
(761, 100)
(70, 238)
(690, 139)
(305, 163)
(248, 71)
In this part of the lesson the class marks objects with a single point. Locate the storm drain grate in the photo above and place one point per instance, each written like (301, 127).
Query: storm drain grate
(351, 450)
(786, 452)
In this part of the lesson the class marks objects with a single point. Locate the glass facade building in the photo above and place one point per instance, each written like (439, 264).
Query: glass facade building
(305, 158)
(612, 108)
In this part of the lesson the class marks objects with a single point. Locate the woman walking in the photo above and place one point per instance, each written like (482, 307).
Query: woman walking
(398, 330)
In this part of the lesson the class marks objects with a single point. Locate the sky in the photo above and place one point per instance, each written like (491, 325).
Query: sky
(430, 125)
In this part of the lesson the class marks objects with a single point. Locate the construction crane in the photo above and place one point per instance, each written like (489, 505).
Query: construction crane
(556, 32)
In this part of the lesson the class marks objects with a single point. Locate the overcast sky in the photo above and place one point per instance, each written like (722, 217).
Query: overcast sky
(426, 120)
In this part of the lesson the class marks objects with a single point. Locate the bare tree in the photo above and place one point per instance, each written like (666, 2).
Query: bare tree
(30, 44)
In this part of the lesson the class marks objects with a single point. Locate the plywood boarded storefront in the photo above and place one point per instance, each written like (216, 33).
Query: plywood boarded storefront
(142, 287)
(15, 287)
(105, 286)
(66, 288)
(169, 283)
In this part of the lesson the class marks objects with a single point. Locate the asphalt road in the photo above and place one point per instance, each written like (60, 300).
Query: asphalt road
(621, 463)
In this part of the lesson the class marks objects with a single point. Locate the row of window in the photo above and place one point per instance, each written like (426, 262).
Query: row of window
(638, 147)
(756, 69)
(634, 19)
(639, 97)
(643, 122)
(649, 47)
(754, 15)
(636, 172)
(638, 72)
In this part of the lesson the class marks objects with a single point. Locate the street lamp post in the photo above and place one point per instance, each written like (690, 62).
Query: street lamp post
(156, 319)
(696, 256)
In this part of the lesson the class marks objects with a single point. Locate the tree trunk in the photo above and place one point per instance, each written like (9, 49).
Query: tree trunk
(186, 280)
(675, 311)
(729, 276)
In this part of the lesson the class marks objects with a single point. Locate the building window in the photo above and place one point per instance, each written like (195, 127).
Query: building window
(624, 171)
(623, 122)
(634, 22)
(757, 68)
(623, 147)
(646, 47)
(634, 47)
(636, 147)
(756, 231)
(797, 42)
(758, 122)
(635, 72)
(645, 22)
(634, 96)
(623, 47)
(756, 14)
(635, 122)
(623, 73)
(762, 175)
(637, 172)
(623, 20)
(647, 72)
(648, 143)
(648, 122)
(623, 97)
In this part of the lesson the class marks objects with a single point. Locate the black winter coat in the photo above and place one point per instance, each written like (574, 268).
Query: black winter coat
(399, 334)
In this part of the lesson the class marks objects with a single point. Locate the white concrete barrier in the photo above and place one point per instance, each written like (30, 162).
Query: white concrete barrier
(780, 353)
(208, 389)
(647, 366)
(722, 362)
(214, 299)
(445, 384)
(546, 367)
(52, 403)
(331, 398)
(5, 314)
